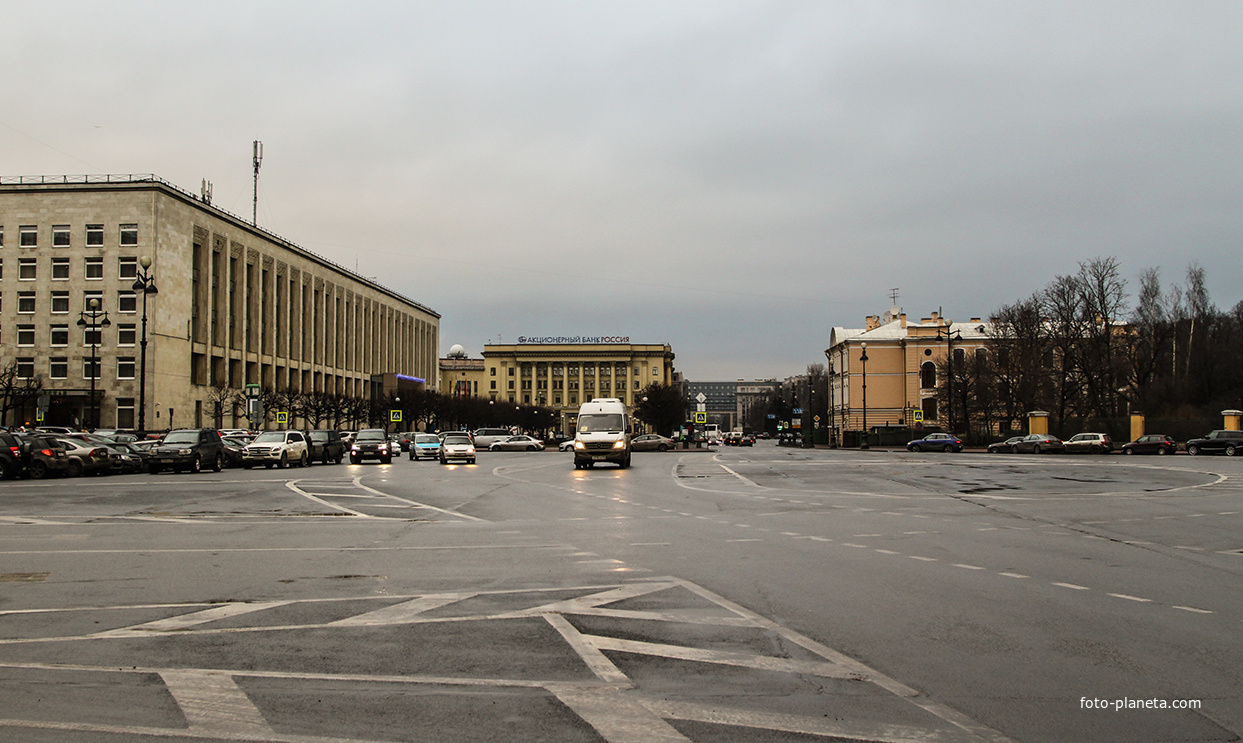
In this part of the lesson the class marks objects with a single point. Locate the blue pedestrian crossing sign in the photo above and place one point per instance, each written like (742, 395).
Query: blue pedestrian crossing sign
(394, 416)
(701, 417)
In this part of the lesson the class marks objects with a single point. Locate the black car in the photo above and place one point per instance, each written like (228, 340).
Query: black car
(326, 446)
(371, 443)
(11, 466)
(1217, 442)
(188, 448)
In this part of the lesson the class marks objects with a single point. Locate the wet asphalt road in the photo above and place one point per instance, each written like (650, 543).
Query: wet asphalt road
(749, 594)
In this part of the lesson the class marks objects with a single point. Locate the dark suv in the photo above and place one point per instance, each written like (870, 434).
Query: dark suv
(372, 443)
(1225, 442)
(11, 466)
(43, 456)
(188, 448)
(326, 446)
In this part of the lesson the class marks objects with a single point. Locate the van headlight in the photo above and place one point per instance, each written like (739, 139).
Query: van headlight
(619, 444)
(579, 446)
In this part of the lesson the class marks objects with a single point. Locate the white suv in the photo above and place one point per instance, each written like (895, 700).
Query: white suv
(277, 448)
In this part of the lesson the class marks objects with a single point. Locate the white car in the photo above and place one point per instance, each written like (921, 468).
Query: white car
(456, 445)
(277, 449)
(518, 443)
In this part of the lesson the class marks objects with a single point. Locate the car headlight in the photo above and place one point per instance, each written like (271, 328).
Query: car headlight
(353, 449)
(183, 452)
(619, 444)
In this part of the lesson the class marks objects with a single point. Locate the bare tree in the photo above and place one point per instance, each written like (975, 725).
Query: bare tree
(16, 392)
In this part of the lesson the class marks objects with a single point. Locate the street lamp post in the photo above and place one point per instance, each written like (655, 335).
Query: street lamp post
(145, 283)
(92, 319)
(864, 360)
(949, 336)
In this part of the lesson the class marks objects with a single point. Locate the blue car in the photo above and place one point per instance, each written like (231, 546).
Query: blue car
(424, 445)
(936, 442)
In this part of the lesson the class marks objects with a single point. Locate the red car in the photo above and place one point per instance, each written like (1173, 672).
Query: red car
(1154, 443)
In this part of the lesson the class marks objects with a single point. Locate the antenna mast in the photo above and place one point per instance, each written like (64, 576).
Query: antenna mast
(258, 158)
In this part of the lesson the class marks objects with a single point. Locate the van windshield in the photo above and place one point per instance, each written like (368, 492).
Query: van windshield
(600, 422)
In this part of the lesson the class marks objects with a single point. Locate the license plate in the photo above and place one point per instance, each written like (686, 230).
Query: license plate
(599, 458)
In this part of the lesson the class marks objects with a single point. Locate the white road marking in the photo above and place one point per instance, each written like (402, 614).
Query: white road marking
(1071, 586)
(213, 703)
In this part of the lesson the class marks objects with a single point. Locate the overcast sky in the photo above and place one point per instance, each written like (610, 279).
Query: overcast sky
(731, 178)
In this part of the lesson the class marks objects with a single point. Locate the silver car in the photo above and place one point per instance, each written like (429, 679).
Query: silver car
(457, 446)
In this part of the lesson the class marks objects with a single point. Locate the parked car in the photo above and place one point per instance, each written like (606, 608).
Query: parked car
(188, 448)
(567, 445)
(54, 430)
(1153, 443)
(233, 446)
(43, 456)
(371, 443)
(650, 442)
(484, 438)
(11, 465)
(131, 447)
(1089, 443)
(457, 445)
(277, 449)
(124, 460)
(327, 446)
(936, 442)
(424, 445)
(1039, 443)
(1217, 442)
(1002, 447)
(86, 458)
(518, 443)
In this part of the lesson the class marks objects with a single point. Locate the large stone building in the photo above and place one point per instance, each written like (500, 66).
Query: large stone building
(897, 386)
(563, 375)
(236, 305)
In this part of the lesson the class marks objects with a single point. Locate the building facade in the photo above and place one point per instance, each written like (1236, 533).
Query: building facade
(562, 376)
(236, 305)
(897, 385)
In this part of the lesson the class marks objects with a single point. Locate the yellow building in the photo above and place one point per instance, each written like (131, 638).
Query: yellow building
(561, 374)
(897, 385)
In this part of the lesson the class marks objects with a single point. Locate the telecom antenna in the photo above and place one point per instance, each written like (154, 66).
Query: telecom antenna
(254, 217)
(206, 191)
(893, 294)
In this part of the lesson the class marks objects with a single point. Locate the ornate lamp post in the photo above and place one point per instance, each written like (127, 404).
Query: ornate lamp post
(145, 284)
(92, 319)
(950, 336)
(864, 359)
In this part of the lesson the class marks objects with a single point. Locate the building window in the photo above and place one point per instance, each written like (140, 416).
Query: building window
(929, 404)
(28, 236)
(95, 235)
(1, 236)
(25, 335)
(58, 367)
(25, 303)
(60, 269)
(928, 375)
(127, 267)
(511, 373)
(60, 303)
(493, 384)
(60, 335)
(90, 368)
(511, 384)
(92, 337)
(636, 384)
(88, 296)
(125, 412)
(60, 236)
(655, 371)
(125, 367)
(127, 334)
(127, 301)
(27, 269)
(25, 367)
(94, 269)
(129, 234)
(493, 370)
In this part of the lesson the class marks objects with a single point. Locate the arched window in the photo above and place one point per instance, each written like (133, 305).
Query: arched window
(928, 375)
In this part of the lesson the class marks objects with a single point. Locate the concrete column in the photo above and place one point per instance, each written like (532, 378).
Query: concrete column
(1232, 420)
(1137, 425)
(1038, 422)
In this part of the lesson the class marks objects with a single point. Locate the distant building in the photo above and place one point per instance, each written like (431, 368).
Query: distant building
(237, 305)
(729, 404)
(902, 372)
(562, 375)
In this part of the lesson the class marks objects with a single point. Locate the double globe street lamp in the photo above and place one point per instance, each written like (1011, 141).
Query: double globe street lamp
(91, 320)
(145, 283)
